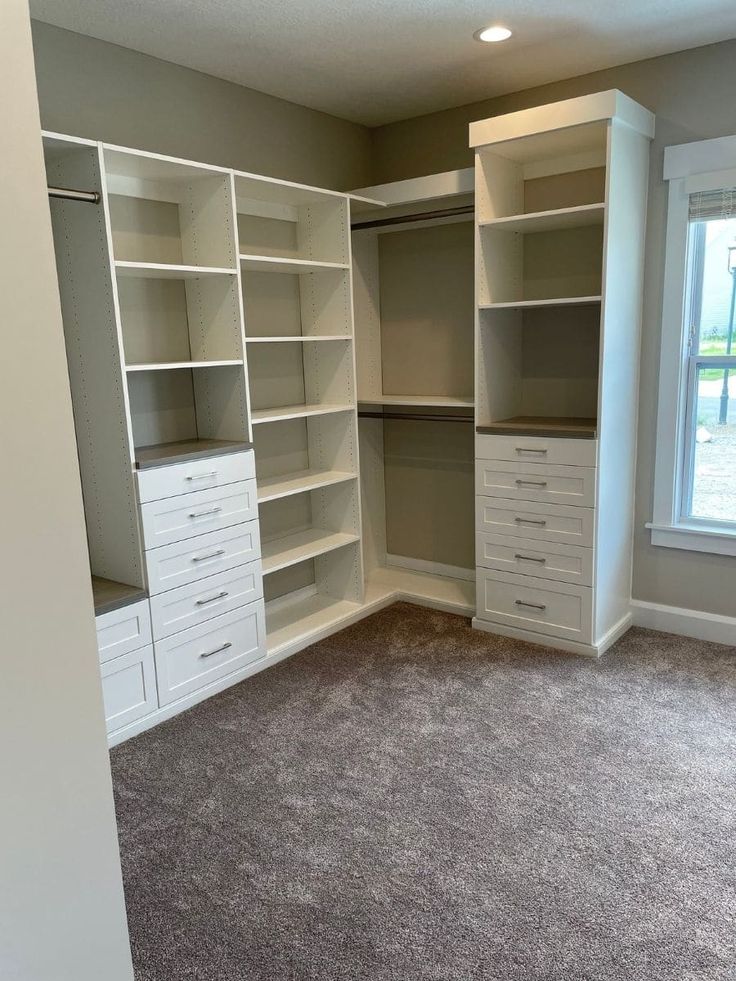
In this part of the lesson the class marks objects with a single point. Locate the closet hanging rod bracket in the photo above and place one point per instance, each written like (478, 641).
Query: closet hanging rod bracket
(468, 209)
(69, 194)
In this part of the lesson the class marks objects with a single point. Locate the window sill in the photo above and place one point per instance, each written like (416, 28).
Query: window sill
(694, 538)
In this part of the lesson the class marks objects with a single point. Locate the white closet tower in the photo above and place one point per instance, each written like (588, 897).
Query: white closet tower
(560, 207)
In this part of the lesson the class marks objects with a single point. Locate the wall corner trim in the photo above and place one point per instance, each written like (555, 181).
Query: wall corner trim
(689, 623)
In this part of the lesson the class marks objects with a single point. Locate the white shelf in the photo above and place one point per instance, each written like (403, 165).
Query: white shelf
(542, 221)
(440, 401)
(280, 553)
(277, 264)
(560, 301)
(298, 338)
(440, 592)
(294, 621)
(165, 270)
(273, 488)
(284, 412)
(176, 365)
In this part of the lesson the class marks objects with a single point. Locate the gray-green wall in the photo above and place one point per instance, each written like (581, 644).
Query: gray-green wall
(104, 92)
(691, 94)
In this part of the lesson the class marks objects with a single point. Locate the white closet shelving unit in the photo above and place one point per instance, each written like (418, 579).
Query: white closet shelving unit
(561, 208)
(294, 253)
(413, 276)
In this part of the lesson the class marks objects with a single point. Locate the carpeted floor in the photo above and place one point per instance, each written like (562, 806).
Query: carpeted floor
(411, 799)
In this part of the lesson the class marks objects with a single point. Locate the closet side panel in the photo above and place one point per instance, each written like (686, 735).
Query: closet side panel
(373, 494)
(104, 439)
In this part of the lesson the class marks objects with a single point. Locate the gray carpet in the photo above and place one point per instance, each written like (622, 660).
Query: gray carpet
(411, 799)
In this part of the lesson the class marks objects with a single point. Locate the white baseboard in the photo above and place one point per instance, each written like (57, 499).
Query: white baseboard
(689, 623)
(433, 568)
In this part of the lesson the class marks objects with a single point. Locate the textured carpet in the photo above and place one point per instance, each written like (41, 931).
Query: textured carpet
(411, 799)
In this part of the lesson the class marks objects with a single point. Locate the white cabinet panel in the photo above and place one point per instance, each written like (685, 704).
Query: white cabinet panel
(198, 602)
(187, 561)
(554, 608)
(128, 688)
(200, 655)
(563, 563)
(537, 449)
(175, 519)
(573, 486)
(529, 519)
(123, 630)
(182, 478)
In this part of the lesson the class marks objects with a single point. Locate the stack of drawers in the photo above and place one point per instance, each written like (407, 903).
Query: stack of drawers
(535, 510)
(127, 668)
(199, 522)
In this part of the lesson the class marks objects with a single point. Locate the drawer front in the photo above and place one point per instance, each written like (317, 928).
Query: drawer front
(562, 563)
(198, 602)
(188, 561)
(177, 518)
(196, 657)
(183, 478)
(555, 609)
(529, 519)
(123, 630)
(128, 688)
(533, 449)
(574, 486)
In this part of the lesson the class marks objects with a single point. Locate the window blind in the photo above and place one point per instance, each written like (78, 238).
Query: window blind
(712, 205)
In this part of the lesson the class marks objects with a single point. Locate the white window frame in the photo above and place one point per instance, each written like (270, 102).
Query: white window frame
(702, 166)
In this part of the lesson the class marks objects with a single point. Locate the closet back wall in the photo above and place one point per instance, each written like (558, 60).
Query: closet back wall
(682, 90)
(105, 92)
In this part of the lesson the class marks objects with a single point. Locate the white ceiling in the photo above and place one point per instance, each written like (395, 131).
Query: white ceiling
(376, 61)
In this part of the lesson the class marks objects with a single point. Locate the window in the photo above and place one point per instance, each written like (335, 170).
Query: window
(695, 477)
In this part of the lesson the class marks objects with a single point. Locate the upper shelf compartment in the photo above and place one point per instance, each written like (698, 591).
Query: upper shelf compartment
(169, 218)
(300, 229)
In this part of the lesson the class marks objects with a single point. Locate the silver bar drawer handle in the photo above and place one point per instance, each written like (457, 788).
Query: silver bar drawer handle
(530, 449)
(211, 599)
(534, 606)
(530, 558)
(532, 483)
(202, 476)
(530, 521)
(210, 555)
(201, 514)
(217, 650)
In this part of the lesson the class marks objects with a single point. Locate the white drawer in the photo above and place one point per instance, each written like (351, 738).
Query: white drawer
(182, 478)
(177, 518)
(557, 609)
(537, 449)
(203, 654)
(184, 562)
(562, 563)
(574, 486)
(128, 688)
(123, 630)
(529, 519)
(198, 602)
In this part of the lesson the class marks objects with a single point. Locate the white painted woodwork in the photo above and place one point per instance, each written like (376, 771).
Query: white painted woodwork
(516, 481)
(129, 688)
(123, 630)
(187, 606)
(194, 559)
(205, 653)
(280, 553)
(537, 449)
(544, 560)
(530, 519)
(157, 483)
(199, 512)
(554, 609)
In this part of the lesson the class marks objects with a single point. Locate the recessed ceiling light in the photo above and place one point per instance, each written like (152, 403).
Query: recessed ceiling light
(490, 34)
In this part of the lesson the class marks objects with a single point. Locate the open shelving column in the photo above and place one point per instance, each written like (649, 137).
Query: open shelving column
(561, 210)
(295, 262)
(413, 280)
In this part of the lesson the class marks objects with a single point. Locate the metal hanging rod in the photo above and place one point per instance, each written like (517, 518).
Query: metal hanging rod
(467, 209)
(418, 417)
(69, 194)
